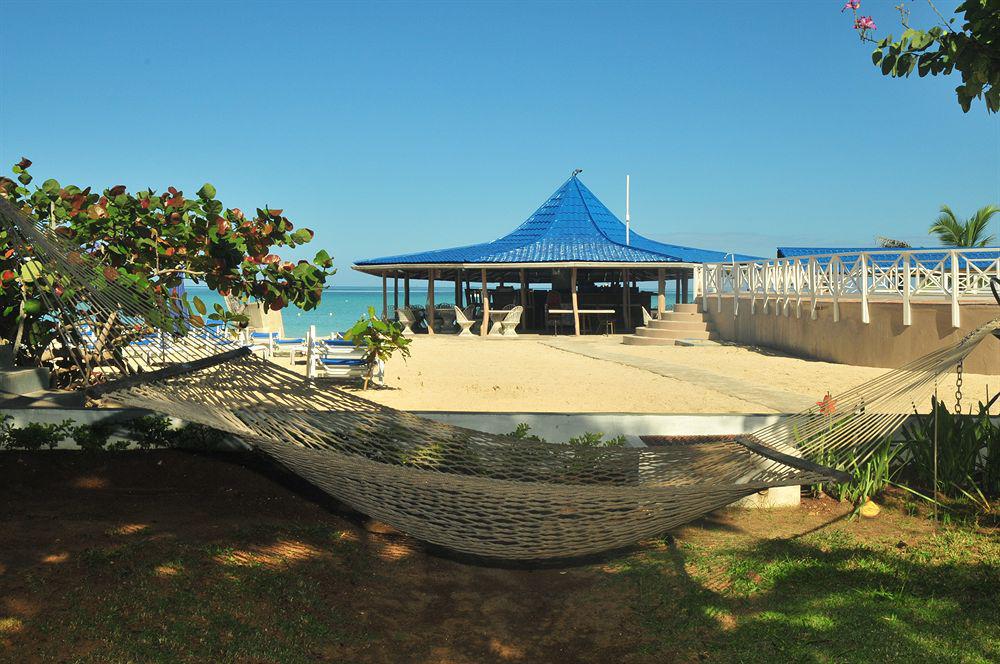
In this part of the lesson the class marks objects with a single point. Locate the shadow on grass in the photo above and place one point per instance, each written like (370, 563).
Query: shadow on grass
(821, 597)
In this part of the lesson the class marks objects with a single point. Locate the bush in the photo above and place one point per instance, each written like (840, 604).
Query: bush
(151, 431)
(35, 435)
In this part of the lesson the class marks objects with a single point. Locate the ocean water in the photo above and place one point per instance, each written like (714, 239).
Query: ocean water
(339, 309)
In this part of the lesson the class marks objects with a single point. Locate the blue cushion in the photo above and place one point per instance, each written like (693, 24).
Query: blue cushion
(337, 342)
(343, 362)
(289, 341)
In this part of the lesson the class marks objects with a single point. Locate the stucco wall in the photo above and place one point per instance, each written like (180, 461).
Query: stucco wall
(884, 342)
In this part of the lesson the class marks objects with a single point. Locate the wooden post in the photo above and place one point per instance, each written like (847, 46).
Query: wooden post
(458, 288)
(429, 313)
(661, 292)
(956, 319)
(395, 295)
(484, 329)
(406, 289)
(625, 310)
(576, 309)
(677, 290)
(524, 298)
(684, 289)
(385, 298)
(907, 313)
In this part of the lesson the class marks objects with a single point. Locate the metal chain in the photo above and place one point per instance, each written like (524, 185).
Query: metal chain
(958, 389)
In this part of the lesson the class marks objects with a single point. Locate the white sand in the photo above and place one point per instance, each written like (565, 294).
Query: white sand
(526, 375)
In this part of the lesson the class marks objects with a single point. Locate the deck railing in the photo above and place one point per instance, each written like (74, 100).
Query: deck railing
(953, 276)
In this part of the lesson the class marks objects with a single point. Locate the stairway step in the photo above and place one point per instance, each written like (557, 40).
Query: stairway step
(671, 324)
(673, 334)
(24, 381)
(692, 308)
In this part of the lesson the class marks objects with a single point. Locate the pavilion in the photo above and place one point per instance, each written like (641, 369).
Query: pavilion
(574, 245)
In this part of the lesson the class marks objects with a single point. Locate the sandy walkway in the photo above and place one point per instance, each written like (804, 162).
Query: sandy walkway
(529, 375)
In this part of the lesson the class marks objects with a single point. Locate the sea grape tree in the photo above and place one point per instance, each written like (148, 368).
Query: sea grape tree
(155, 240)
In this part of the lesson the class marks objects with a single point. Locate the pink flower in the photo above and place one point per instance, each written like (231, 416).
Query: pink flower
(853, 5)
(864, 23)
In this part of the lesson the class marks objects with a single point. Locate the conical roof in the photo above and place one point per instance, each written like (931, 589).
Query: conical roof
(573, 225)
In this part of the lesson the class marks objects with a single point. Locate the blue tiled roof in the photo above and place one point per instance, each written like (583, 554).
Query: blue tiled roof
(571, 226)
(890, 256)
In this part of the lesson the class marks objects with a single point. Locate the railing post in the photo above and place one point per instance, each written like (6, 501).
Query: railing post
(813, 285)
(907, 314)
(835, 284)
(704, 287)
(718, 287)
(956, 320)
(865, 318)
(798, 288)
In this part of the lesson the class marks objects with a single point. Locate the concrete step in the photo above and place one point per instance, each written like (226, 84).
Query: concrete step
(24, 381)
(682, 316)
(693, 324)
(673, 334)
(635, 340)
(42, 399)
(692, 308)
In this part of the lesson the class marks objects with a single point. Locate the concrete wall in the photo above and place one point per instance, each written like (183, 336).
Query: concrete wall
(884, 342)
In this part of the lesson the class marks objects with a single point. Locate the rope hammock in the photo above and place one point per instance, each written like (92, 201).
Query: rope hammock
(469, 491)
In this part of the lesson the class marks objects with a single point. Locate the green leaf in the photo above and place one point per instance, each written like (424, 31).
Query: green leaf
(207, 191)
(51, 187)
(199, 305)
(876, 57)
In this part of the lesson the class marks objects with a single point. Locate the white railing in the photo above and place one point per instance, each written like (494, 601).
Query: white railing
(954, 276)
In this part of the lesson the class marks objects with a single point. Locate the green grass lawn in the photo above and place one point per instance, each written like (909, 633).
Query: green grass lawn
(166, 557)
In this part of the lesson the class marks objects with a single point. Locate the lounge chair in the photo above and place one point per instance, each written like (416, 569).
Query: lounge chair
(290, 347)
(333, 358)
(261, 341)
(463, 322)
(511, 321)
(407, 319)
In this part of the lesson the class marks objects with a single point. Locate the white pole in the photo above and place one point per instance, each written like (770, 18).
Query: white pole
(628, 220)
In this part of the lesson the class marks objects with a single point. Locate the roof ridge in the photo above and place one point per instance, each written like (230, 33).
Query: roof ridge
(590, 216)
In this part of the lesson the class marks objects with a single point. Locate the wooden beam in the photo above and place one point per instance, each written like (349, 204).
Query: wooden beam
(625, 311)
(524, 298)
(429, 313)
(485, 328)
(576, 308)
(385, 298)
(458, 288)
(677, 289)
(406, 289)
(395, 295)
(661, 292)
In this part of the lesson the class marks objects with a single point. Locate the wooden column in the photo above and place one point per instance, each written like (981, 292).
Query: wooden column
(385, 298)
(661, 292)
(429, 313)
(395, 295)
(576, 309)
(458, 288)
(625, 311)
(485, 328)
(524, 298)
(406, 289)
(677, 290)
(684, 289)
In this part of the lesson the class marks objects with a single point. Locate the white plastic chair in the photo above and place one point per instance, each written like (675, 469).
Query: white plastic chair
(464, 323)
(511, 321)
(407, 319)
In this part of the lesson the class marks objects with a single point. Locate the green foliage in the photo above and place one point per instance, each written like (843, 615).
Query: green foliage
(152, 242)
(963, 469)
(151, 431)
(871, 475)
(34, 435)
(971, 51)
(521, 432)
(970, 233)
(94, 437)
(379, 339)
(197, 437)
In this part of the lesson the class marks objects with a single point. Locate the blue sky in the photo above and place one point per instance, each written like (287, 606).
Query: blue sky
(396, 127)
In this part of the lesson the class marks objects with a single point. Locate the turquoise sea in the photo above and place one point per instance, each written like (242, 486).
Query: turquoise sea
(339, 309)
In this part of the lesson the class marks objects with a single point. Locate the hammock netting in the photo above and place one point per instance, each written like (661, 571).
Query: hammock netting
(473, 492)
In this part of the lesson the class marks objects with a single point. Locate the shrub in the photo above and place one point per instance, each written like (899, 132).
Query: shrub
(35, 435)
(92, 437)
(151, 431)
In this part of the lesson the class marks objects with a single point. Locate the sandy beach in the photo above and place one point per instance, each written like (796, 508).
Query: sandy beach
(599, 374)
